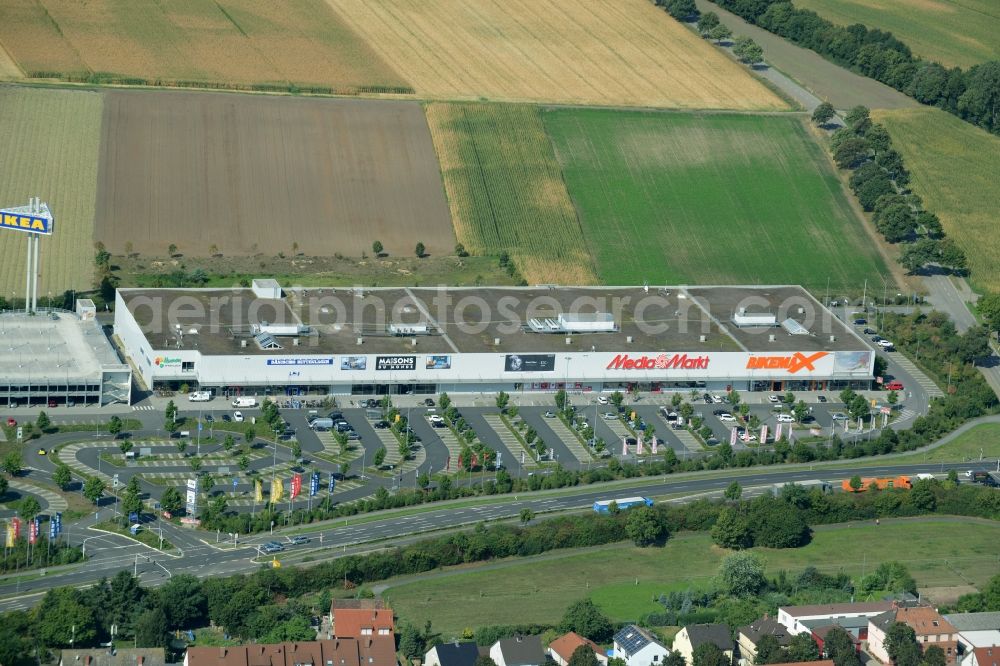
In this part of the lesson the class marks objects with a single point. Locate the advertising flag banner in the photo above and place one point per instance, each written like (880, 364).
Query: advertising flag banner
(59, 523)
(52, 530)
(314, 484)
(333, 482)
(33, 531)
(654, 445)
(296, 485)
(277, 490)
(16, 522)
(732, 437)
(763, 434)
(10, 535)
(624, 446)
(777, 431)
(638, 447)
(258, 491)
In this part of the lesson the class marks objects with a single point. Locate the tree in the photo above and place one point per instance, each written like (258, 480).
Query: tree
(858, 119)
(124, 446)
(901, 645)
(706, 22)
(184, 602)
(171, 500)
(151, 628)
(296, 449)
(207, 484)
(917, 255)
(561, 400)
(379, 457)
(742, 574)
(195, 465)
(377, 248)
(733, 492)
(484, 660)
(934, 656)
(851, 153)
(460, 250)
(989, 307)
(502, 399)
(855, 483)
(172, 249)
(748, 51)
(29, 508)
(802, 647)
(228, 443)
(800, 410)
(643, 527)
(839, 646)
(62, 476)
(249, 433)
(720, 33)
(823, 114)
(12, 463)
(527, 515)
(132, 498)
(115, 426)
(878, 138)
(419, 250)
(709, 654)
(583, 655)
(732, 529)
(411, 642)
(93, 488)
(616, 399)
(244, 462)
(63, 617)
(768, 651)
(680, 9)
(586, 619)
(43, 421)
(950, 255)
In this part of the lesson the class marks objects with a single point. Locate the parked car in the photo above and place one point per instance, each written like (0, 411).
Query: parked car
(549, 414)
(209, 418)
(42, 452)
(894, 385)
(428, 402)
(860, 321)
(838, 416)
(748, 437)
(238, 417)
(381, 425)
(717, 399)
(602, 400)
(876, 339)
(227, 418)
(437, 424)
(609, 416)
(11, 422)
(868, 331)
(821, 398)
(52, 403)
(719, 412)
(435, 418)
(786, 418)
(353, 436)
(299, 540)
(885, 344)
(773, 398)
(726, 417)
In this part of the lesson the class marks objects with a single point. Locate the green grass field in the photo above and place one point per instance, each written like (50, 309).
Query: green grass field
(982, 440)
(506, 192)
(623, 579)
(952, 32)
(710, 198)
(954, 167)
(49, 142)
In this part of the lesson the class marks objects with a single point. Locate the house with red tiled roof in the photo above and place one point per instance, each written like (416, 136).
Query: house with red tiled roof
(983, 656)
(930, 627)
(562, 648)
(359, 618)
(372, 651)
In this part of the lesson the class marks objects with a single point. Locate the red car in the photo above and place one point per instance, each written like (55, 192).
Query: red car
(894, 386)
(11, 423)
(52, 403)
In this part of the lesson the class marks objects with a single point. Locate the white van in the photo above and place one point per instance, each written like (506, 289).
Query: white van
(200, 396)
(245, 402)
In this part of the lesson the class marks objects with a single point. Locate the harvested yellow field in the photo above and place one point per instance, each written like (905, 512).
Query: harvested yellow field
(954, 168)
(8, 68)
(224, 43)
(506, 192)
(49, 142)
(615, 52)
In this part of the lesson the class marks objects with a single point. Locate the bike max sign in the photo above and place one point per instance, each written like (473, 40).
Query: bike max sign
(659, 362)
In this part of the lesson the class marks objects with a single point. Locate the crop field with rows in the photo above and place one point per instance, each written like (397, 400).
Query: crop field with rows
(49, 147)
(506, 192)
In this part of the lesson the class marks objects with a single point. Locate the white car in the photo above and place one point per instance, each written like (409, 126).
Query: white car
(435, 418)
(726, 417)
(786, 418)
(748, 437)
(717, 399)
(238, 417)
(609, 416)
(602, 400)
(884, 344)
(773, 398)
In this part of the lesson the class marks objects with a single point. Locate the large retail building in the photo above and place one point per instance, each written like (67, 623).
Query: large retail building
(264, 339)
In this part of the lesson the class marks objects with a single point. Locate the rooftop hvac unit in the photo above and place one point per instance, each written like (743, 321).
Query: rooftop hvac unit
(295, 342)
(360, 340)
(243, 343)
(770, 338)
(496, 342)
(569, 340)
(702, 338)
(628, 339)
(592, 322)
(408, 329)
(413, 342)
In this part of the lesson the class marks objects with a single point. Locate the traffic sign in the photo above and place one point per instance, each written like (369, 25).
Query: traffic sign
(114, 481)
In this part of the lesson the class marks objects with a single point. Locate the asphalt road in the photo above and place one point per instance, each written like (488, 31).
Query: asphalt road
(111, 554)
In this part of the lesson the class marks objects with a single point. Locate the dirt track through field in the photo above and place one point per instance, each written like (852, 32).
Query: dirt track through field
(252, 174)
(828, 81)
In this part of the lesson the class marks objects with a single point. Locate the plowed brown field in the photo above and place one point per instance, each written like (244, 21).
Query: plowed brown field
(220, 42)
(621, 52)
(252, 174)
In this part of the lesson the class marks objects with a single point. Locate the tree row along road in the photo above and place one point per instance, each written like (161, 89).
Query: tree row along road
(207, 560)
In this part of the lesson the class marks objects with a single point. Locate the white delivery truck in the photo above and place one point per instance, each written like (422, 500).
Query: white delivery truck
(244, 402)
(200, 396)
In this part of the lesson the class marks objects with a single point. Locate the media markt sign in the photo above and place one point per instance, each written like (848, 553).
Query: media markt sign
(166, 362)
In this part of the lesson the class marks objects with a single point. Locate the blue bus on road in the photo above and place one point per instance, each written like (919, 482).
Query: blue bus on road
(603, 506)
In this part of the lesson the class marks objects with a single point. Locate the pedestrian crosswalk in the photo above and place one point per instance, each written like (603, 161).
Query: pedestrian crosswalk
(142, 408)
(925, 382)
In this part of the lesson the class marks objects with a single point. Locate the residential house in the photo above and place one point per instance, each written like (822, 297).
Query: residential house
(983, 656)
(452, 654)
(370, 651)
(975, 630)
(692, 636)
(822, 662)
(747, 637)
(638, 647)
(113, 657)
(562, 648)
(518, 651)
(794, 617)
(857, 627)
(357, 618)
(930, 627)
